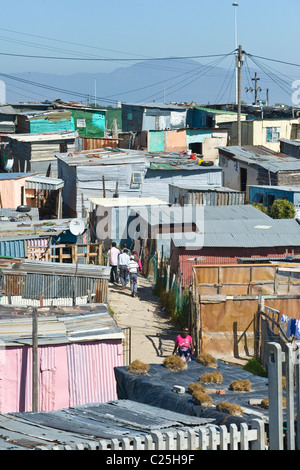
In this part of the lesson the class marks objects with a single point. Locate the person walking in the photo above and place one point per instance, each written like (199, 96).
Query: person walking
(184, 344)
(123, 261)
(137, 259)
(133, 273)
(113, 255)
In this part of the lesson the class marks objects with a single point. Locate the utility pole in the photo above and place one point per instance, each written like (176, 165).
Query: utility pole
(35, 373)
(256, 89)
(235, 5)
(240, 61)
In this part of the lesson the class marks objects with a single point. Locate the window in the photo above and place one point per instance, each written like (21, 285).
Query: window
(273, 134)
(258, 198)
(137, 177)
(80, 123)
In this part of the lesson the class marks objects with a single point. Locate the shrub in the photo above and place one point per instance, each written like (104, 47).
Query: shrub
(260, 207)
(255, 367)
(282, 209)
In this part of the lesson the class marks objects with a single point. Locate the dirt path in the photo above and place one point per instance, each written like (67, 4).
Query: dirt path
(152, 333)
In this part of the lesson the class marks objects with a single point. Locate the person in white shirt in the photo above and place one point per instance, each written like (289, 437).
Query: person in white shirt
(133, 270)
(123, 261)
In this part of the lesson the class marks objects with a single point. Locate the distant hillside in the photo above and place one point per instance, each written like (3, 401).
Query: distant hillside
(160, 80)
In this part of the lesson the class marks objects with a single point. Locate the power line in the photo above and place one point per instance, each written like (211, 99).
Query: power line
(106, 59)
(274, 60)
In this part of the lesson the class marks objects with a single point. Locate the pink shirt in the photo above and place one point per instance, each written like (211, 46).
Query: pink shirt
(113, 256)
(184, 342)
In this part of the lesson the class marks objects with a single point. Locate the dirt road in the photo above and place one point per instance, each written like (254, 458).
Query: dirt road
(153, 335)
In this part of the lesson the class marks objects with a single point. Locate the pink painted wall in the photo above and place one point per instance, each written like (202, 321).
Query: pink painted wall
(69, 375)
(10, 191)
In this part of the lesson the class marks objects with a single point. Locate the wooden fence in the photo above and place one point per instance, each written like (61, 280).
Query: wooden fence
(206, 438)
(91, 252)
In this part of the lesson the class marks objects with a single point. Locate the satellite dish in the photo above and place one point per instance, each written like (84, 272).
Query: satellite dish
(77, 226)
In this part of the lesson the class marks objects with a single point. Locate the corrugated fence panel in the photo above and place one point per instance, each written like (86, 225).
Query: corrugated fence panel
(91, 371)
(13, 248)
(55, 286)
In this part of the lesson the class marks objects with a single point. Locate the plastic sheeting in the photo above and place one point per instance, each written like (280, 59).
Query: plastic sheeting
(156, 389)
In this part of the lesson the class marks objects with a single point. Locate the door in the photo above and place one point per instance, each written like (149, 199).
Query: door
(243, 179)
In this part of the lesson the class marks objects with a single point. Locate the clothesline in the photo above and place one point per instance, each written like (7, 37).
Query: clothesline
(292, 326)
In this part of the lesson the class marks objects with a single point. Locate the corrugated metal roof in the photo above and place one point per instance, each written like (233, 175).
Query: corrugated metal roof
(173, 107)
(266, 159)
(41, 182)
(245, 233)
(204, 187)
(58, 325)
(43, 137)
(238, 212)
(125, 202)
(294, 189)
(62, 269)
(14, 176)
(12, 215)
(199, 214)
(87, 424)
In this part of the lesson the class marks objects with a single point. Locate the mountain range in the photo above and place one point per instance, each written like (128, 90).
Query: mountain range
(167, 80)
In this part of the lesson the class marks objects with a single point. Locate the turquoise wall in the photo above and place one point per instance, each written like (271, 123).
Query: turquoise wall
(45, 125)
(156, 141)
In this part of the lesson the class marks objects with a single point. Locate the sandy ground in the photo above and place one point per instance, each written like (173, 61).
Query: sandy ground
(153, 335)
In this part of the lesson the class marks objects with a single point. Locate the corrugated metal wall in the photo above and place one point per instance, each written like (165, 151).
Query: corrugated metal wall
(91, 371)
(219, 256)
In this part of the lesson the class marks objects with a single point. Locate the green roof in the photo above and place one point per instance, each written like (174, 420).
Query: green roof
(215, 111)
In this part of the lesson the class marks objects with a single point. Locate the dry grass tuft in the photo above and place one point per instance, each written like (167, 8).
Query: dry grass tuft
(202, 398)
(240, 386)
(138, 367)
(232, 409)
(207, 360)
(211, 377)
(265, 403)
(195, 387)
(175, 363)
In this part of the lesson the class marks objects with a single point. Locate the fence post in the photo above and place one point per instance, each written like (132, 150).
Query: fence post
(290, 397)
(275, 396)
(260, 443)
(298, 398)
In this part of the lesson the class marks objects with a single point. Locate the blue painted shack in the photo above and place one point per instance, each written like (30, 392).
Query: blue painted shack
(201, 117)
(266, 195)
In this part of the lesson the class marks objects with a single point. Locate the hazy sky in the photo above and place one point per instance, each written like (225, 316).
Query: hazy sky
(135, 29)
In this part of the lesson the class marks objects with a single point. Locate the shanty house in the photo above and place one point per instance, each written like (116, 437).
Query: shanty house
(232, 232)
(290, 147)
(244, 166)
(78, 348)
(266, 132)
(99, 173)
(38, 283)
(126, 173)
(207, 195)
(201, 117)
(152, 116)
(35, 152)
(266, 195)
